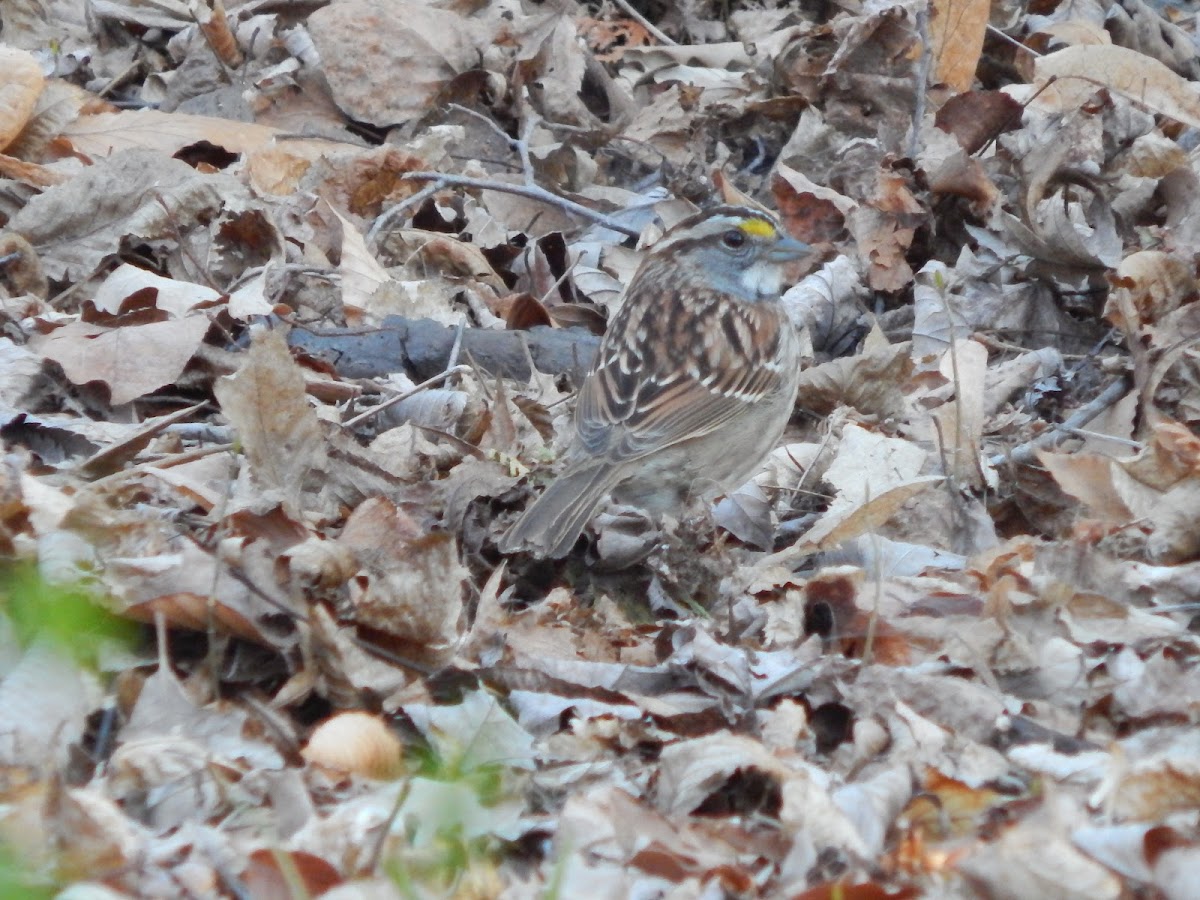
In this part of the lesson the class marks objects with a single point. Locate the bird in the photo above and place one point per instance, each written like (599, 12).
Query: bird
(693, 383)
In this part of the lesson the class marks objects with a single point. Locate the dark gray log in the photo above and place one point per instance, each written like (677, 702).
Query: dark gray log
(421, 348)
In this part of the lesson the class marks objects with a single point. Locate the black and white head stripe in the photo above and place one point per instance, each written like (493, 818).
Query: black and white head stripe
(706, 225)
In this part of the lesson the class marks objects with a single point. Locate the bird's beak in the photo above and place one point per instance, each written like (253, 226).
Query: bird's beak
(787, 249)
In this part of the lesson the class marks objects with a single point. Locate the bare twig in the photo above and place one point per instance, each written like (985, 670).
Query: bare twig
(276, 268)
(1004, 37)
(475, 114)
(399, 398)
(1097, 436)
(121, 77)
(386, 218)
(457, 347)
(533, 192)
(924, 68)
(521, 145)
(628, 9)
(1024, 453)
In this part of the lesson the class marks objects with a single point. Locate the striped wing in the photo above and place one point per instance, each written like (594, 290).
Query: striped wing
(648, 394)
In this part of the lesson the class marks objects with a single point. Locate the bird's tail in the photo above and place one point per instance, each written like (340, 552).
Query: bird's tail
(550, 527)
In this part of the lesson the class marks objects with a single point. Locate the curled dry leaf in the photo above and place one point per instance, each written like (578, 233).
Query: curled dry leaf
(1078, 72)
(811, 212)
(1068, 232)
(1148, 285)
(77, 224)
(410, 585)
(178, 298)
(19, 93)
(131, 360)
(421, 46)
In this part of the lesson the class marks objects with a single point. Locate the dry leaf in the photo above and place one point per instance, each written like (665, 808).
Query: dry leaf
(956, 31)
(421, 46)
(280, 434)
(19, 94)
(132, 360)
(1080, 71)
(103, 134)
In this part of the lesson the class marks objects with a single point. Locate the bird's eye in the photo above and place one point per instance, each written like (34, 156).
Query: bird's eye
(734, 238)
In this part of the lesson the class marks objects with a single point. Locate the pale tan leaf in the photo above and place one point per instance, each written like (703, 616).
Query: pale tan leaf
(959, 432)
(20, 86)
(102, 134)
(420, 46)
(874, 477)
(175, 297)
(265, 401)
(58, 105)
(956, 30)
(1076, 31)
(1091, 479)
(132, 360)
(362, 275)
(1080, 71)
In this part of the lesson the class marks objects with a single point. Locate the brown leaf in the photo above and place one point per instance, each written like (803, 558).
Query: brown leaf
(19, 93)
(963, 176)
(132, 360)
(977, 117)
(410, 586)
(1078, 72)
(956, 32)
(272, 875)
(279, 432)
(75, 225)
(609, 38)
(103, 134)
(421, 46)
(810, 212)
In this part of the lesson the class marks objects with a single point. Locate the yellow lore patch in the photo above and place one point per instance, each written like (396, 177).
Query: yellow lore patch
(758, 227)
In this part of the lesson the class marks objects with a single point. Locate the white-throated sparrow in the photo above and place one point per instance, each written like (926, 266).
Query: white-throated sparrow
(692, 385)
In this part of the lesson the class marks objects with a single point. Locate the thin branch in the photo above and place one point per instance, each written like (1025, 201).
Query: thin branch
(399, 398)
(1004, 37)
(924, 68)
(521, 145)
(1024, 453)
(644, 22)
(532, 192)
(385, 219)
(475, 114)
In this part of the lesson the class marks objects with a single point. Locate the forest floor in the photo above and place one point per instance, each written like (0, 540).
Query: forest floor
(270, 278)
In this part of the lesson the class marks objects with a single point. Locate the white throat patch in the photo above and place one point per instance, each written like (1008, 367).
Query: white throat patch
(763, 279)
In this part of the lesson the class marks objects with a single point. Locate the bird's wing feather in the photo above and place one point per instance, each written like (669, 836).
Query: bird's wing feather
(637, 404)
